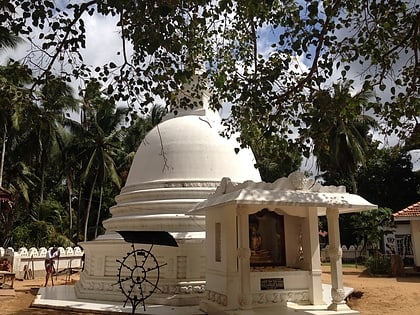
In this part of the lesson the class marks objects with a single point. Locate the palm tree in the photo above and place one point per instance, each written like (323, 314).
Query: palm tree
(42, 122)
(14, 173)
(68, 165)
(341, 137)
(13, 78)
(7, 40)
(56, 97)
(101, 144)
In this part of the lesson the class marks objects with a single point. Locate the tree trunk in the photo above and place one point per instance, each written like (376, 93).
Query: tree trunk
(354, 183)
(89, 206)
(70, 193)
(42, 184)
(3, 153)
(99, 212)
(78, 221)
(43, 162)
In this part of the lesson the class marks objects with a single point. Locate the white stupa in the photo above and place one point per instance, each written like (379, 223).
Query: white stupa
(179, 164)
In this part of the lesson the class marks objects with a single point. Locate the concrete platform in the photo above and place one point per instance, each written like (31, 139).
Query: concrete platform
(63, 297)
(7, 292)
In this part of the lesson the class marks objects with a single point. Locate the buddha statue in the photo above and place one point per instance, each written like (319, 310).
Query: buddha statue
(259, 255)
(255, 239)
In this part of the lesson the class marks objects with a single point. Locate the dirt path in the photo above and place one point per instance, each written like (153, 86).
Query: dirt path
(20, 304)
(373, 295)
(381, 295)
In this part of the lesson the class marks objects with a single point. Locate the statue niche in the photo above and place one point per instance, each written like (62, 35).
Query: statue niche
(266, 239)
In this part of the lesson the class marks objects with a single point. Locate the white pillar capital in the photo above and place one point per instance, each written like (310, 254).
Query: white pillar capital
(244, 253)
(335, 253)
(332, 213)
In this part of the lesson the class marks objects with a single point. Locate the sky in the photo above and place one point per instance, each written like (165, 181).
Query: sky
(103, 42)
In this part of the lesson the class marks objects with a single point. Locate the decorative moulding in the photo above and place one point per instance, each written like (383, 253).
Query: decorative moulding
(295, 181)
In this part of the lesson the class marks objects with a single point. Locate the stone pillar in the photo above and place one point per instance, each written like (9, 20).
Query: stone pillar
(244, 254)
(337, 291)
(415, 238)
(315, 289)
(16, 260)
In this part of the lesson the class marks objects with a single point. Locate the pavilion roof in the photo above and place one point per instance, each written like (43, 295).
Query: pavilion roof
(292, 194)
(411, 212)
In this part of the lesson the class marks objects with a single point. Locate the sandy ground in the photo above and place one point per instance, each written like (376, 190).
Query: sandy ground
(372, 296)
(375, 295)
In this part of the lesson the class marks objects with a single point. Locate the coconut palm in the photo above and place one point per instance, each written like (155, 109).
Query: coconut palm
(13, 78)
(43, 121)
(68, 165)
(100, 145)
(7, 40)
(341, 137)
(15, 174)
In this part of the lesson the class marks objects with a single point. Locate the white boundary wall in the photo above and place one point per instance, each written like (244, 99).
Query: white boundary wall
(350, 254)
(33, 260)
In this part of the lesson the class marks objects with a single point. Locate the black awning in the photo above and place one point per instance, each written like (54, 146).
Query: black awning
(149, 237)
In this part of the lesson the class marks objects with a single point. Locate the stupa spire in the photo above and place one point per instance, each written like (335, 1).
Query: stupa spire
(194, 96)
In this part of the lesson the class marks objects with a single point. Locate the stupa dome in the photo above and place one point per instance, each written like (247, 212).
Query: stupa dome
(178, 164)
(189, 148)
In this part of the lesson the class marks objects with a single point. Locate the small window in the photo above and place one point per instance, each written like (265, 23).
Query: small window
(218, 241)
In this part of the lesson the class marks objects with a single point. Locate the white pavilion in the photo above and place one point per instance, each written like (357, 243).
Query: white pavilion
(263, 253)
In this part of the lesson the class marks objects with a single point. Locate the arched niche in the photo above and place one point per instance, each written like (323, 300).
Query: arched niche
(267, 239)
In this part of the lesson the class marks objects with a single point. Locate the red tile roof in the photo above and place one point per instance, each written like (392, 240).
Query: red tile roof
(410, 211)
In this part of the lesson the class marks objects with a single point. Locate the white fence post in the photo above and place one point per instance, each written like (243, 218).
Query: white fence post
(31, 262)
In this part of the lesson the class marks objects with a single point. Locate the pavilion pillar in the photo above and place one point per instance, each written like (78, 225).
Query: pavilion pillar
(335, 252)
(244, 254)
(315, 289)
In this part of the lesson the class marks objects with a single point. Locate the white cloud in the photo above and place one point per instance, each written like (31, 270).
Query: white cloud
(103, 41)
(415, 159)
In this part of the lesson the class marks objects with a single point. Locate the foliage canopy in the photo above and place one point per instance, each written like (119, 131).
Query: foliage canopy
(268, 59)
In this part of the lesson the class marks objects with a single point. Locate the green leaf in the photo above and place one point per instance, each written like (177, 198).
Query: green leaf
(393, 90)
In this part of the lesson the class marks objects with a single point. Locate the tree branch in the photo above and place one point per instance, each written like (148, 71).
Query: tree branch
(83, 7)
(314, 67)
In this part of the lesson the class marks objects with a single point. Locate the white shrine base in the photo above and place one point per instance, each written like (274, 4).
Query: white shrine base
(182, 276)
(64, 298)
